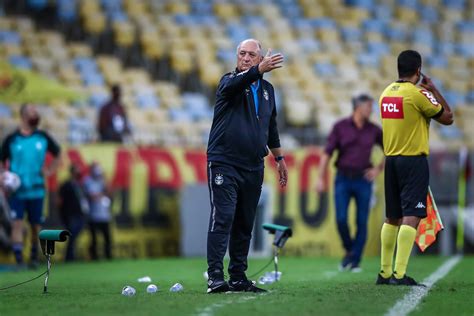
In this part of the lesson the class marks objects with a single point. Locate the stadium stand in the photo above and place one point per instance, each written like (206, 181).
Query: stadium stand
(169, 56)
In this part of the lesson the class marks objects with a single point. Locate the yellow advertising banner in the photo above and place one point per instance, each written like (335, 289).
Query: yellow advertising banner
(146, 183)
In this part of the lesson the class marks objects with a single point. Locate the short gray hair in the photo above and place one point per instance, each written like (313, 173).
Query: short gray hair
(250, 40)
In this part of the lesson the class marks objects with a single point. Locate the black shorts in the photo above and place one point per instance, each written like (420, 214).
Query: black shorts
(406, 186)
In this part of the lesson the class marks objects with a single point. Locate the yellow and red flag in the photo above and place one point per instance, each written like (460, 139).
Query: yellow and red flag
(430, 225)
(22, 86)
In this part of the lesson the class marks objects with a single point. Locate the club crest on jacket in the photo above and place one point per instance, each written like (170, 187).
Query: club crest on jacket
(219, 179)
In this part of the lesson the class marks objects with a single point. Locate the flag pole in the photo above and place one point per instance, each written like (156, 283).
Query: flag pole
(435, 207)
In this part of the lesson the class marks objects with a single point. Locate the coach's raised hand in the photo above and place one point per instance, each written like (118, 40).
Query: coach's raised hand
(270, 62)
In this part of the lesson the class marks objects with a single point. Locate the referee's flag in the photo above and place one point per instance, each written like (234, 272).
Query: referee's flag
(430, 225)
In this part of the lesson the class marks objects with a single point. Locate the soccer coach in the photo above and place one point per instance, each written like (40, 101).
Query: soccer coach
(243, 130)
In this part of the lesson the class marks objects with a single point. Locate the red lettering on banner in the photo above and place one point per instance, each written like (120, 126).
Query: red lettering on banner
(290, 163)
(52, 180)
(310, 161)
(154, 157)
(122, 173)
(198, 161)
(392, 108)
(75, 158)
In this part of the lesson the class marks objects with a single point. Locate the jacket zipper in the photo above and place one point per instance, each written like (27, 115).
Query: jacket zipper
(249, 94)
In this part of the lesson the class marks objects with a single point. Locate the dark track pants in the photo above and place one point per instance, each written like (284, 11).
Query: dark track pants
(234, 195)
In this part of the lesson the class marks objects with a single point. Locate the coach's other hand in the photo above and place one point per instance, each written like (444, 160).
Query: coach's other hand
(321, 185)
(282, 172)
(270, 62)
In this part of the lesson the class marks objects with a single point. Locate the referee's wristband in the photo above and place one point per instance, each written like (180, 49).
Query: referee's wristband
(279, 158)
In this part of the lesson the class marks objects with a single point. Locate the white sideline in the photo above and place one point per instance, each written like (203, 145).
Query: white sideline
(411, 300)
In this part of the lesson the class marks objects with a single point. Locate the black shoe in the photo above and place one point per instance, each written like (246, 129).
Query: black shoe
(406, 280)
(381, 280)
(217, 286)
(244, 286)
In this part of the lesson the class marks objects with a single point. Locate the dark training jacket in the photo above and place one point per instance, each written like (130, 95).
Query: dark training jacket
(238, 136)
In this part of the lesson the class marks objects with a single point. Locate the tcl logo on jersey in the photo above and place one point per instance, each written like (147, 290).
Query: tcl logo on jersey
(392, 108)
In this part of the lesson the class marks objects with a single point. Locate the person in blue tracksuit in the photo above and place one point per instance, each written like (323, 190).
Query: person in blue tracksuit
(244, 130)
(24, 153)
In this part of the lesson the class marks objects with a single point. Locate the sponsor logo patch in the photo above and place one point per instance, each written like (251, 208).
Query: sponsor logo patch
(430, 97)
(392, 108)
(265, 94)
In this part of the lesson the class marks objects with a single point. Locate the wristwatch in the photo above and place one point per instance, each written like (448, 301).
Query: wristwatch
(279, 158)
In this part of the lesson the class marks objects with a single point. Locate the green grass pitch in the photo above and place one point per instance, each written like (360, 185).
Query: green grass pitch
(309, 286)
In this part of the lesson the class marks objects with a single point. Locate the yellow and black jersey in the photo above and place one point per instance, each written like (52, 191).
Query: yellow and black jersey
(406, 111)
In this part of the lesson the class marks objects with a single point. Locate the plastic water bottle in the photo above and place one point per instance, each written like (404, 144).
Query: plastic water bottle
(176, 288)
(269, 277)
(128, 291)
(151, 288)
(145, 279)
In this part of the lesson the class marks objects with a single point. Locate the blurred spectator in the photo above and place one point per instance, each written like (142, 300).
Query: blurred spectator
(73, 207)
(24, 152)
(113, 123)
(353, 137)
(99, 205)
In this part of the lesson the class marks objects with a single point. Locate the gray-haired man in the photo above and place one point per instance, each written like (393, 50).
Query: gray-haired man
(243, 130)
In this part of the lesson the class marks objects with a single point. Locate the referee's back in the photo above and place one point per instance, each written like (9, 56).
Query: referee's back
(406, 112)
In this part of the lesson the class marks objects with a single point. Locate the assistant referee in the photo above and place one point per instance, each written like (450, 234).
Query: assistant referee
(406, 112)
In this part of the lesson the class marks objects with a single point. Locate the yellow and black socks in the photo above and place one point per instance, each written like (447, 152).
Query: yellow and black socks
(388, 236)
(406, 238)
